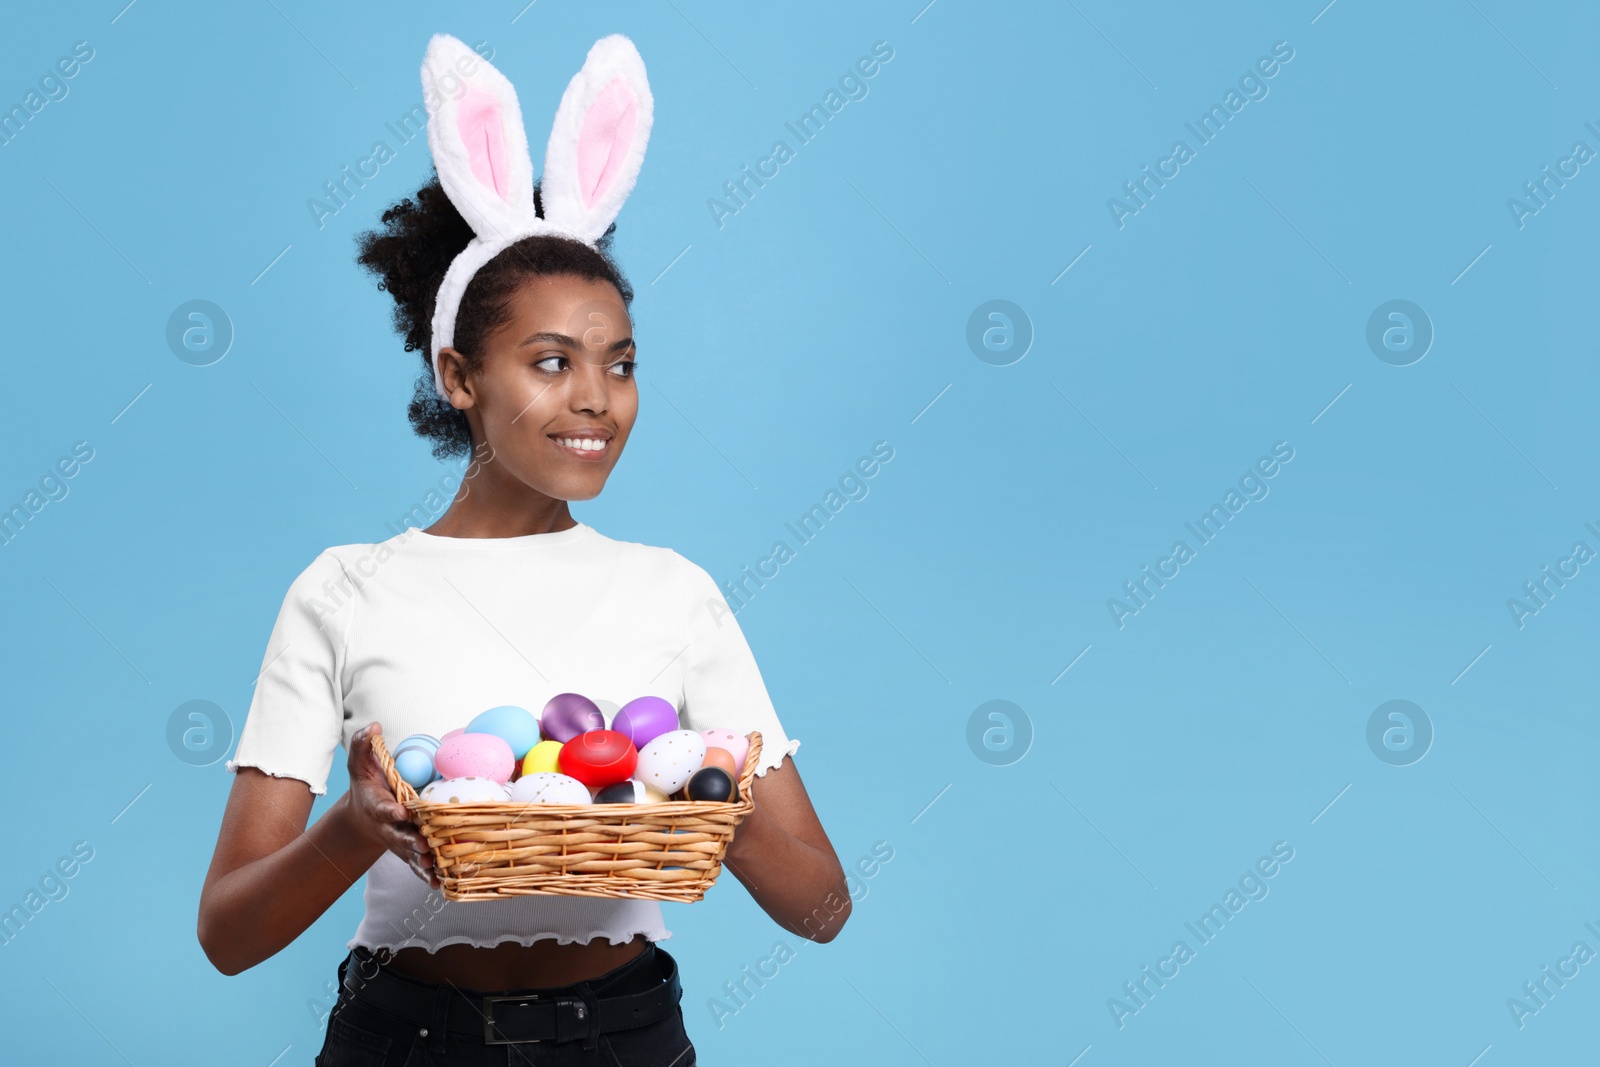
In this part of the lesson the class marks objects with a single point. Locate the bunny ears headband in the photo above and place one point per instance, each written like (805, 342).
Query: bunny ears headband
(480, 150)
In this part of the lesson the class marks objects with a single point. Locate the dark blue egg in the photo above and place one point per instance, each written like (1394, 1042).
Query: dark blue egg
(624, 792)
(711, 783)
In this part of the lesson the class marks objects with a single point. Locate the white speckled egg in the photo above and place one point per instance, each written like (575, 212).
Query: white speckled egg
(669, 760)
(468, 789)
(548, 787)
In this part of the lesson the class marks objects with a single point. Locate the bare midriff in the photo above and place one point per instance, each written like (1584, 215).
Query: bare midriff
(512, 966)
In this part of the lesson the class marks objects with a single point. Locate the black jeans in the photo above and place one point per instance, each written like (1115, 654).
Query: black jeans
(360, 1034)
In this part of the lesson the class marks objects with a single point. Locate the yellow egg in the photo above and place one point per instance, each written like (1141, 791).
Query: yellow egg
(541, 758)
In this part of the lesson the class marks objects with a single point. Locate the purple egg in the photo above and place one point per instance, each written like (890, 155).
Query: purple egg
(645, 719)
(567, 715)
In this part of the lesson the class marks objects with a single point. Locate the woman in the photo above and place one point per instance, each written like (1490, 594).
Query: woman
(506, 599)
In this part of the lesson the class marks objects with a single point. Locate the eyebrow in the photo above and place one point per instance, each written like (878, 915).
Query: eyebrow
(550, 337)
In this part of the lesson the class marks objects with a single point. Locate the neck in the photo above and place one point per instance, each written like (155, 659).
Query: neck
(485, 508)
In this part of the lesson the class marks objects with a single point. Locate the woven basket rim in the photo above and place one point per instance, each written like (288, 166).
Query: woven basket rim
(414, 803)
(489, 865)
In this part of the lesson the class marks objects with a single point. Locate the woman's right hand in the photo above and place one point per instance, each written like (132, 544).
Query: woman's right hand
(377, 812)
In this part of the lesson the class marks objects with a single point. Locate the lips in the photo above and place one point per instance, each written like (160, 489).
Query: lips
(592, 444)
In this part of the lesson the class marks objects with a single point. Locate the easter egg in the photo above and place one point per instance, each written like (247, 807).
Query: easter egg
(453, 733)
(543, 787)
(645, 719)
(711, 783)
(738, 744)
(669, 760)
(415, 766)
(516, 726)
(721, 757)
(468, 789)
(631, 791)
(478, 755)
(542, 758)
(426, 742)
(598, 757)
(568, 714)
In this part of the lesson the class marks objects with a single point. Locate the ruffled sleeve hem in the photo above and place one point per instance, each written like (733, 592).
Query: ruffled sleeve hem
(317, 790)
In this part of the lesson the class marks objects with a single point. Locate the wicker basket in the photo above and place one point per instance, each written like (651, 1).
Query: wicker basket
(494, 850)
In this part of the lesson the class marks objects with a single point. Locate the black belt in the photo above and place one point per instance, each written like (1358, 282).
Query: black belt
(561, 1014)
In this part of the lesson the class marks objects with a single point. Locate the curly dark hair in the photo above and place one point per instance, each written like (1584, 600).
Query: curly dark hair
(410, 253)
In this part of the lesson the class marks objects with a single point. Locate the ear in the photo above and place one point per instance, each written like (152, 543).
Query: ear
(597, 143)
(475, 132)
(453, 378)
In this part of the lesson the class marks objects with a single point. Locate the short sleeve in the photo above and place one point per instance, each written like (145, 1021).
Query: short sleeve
(296, 718)
(722, 685)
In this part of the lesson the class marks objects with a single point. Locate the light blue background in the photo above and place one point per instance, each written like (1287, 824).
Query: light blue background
(825, 316)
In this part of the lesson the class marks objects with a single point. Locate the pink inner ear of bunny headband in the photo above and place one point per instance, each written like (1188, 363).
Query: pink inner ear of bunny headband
(605, 138)
(480, 121)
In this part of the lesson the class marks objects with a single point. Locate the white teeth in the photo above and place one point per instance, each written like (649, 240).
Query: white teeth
(583, 444)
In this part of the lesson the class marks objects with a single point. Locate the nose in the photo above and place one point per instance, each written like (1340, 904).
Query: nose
(591, 392)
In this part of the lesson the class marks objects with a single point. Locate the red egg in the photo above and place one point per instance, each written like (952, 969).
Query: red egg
(598, 757)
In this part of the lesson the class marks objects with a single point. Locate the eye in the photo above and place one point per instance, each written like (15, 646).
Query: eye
(559, 360)
(627, 366)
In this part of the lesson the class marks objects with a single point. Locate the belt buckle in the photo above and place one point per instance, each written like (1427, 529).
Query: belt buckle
(489, 1037)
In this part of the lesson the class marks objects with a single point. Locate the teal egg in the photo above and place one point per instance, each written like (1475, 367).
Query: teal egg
(515, 726)
(427, 742)
(415, 766)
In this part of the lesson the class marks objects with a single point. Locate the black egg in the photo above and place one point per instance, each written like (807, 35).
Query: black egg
(711, 783)
(617, 793)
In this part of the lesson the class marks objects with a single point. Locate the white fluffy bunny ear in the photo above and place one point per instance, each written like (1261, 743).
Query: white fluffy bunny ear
(597, 143)
(480, 150)
(480, 147)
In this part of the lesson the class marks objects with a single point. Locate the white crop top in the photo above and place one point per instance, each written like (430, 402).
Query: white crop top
(422, 632)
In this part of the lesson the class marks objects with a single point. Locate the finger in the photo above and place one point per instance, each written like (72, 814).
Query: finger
(421, 850)
(380, 805)
(427, 874)
(361, 754)
(428, 870)
(404, 839)
(368, 732)
(379, 796)
(393, 810)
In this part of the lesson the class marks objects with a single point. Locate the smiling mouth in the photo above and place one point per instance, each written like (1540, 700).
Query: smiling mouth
(588, 448)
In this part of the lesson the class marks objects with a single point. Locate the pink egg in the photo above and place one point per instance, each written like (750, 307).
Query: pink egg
(737, 744)
(477, 755)
(452, 733)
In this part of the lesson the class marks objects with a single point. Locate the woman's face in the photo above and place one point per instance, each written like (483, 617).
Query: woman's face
(554, 397)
